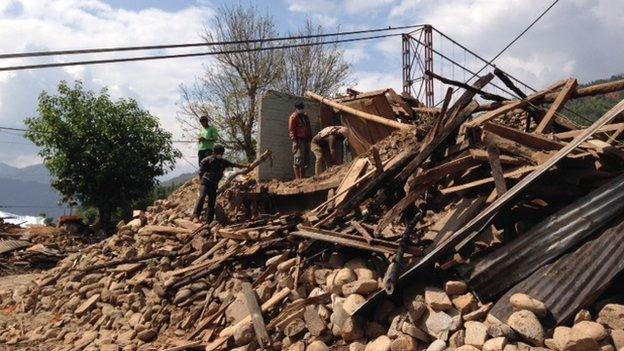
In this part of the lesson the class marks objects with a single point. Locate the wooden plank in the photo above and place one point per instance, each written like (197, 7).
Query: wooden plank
(436, 173)
(376, 160)
(511, 146)
(596, 89)
(256, 315)
(459, 215)
(482, 155)
(354, 241)
(269, 304)
(162, 229)
(360, 229)
(573, 133)
(517, 172)
(557, 105)
(353, 174)
(536, 141)
(497, 170)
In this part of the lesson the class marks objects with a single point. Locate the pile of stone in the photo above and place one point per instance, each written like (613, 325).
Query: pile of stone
(300, 281)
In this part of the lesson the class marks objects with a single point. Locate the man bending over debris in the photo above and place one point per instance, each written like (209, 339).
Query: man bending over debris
(210, 173)
(324, 147)
(300, 134)
(207, 138)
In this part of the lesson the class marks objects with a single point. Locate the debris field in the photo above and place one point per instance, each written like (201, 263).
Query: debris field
(486, 224)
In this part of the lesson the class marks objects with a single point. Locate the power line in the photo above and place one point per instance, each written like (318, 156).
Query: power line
(160, 57)
(516, 39)
(201, 44)
(14, 129)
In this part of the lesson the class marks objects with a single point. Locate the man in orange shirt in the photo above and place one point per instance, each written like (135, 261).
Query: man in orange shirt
(300, 134)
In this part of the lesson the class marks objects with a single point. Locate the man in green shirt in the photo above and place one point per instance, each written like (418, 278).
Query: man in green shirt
(207, 138)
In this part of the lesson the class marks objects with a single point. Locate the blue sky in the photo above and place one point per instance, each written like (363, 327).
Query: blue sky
(579, 38)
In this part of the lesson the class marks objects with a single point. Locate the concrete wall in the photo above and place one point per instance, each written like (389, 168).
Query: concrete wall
(275, 109)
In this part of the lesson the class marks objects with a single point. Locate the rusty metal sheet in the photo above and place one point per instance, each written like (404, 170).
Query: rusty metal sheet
(575, 280)
(12, 245)
(497, 271)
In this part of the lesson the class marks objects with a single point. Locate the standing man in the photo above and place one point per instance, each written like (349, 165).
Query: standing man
(324, 147)
(210, 173)
(207, 138)
(300, 134)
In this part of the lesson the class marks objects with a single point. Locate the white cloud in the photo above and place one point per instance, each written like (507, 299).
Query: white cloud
(48, 25)
(375, 80)
(577, 37)
(358, 6)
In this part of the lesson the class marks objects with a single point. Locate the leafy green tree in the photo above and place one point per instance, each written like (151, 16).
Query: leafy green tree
(100, 153)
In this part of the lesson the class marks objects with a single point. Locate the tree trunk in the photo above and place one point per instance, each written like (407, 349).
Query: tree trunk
(104, 218)
(248, 137)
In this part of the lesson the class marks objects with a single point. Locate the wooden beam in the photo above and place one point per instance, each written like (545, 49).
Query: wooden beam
(229, 331)
(352, 175)
(482, 156)
(557, 105)
(360, 229)
(497, 170)
(536, 141)
(355, 241)
(505, 79)
(420, 183)
(596, 89)
(510, 146)
(256, 315)
(476, 183)
(357, 113)
(376, 160)
(506, 108)
(484, 94)
(573, 133)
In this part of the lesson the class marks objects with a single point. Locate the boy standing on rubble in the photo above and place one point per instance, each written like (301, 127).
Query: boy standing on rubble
(324, 147)
(210, 173)
(300, 134)
(207, 138)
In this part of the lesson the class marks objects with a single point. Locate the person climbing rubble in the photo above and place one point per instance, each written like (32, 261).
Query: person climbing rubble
(324, 145)
(210, 173)
(208, 136)
(300, 134)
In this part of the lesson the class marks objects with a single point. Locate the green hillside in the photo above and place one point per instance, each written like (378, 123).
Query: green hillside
(594, 106)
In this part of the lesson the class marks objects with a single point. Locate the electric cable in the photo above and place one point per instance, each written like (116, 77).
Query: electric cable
(199, 44)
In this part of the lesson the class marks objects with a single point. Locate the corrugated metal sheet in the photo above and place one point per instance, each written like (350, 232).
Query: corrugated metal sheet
(507, 265)
(575, 280)
(10, 245)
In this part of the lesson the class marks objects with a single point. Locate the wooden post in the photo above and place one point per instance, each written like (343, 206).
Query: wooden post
(497, 170)
(556, 106)
(377, 160)
(256, 315)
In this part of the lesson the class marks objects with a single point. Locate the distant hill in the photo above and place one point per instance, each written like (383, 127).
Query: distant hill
(35, 173)
(593, 107)
(27, 191)
(179, 180)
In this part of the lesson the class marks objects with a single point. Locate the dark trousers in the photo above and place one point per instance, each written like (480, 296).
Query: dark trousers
(201, 154)
(206, 189)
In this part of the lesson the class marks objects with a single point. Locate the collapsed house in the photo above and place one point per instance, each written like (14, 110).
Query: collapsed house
(473, 226)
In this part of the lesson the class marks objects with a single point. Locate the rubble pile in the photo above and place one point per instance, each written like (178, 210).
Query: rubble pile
(34, 248)
(447, 241)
